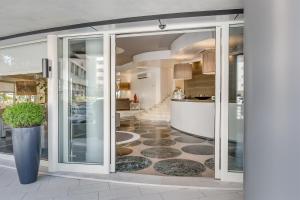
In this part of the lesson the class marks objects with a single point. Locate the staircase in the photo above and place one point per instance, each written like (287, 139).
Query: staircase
(159, 112)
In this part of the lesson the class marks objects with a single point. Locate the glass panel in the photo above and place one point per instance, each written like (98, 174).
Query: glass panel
(81, 101)
(236, 100)
(20, 88)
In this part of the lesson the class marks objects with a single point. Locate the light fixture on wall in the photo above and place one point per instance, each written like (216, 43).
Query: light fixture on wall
(209, 62)
(183, 71)
(46, 68)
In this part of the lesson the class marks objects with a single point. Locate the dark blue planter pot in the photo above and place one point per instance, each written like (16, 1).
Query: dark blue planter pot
(27, 148)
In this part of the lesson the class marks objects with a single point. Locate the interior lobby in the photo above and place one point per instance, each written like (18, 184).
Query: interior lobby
(165, 101)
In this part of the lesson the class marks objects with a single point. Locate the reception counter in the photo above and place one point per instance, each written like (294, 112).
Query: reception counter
(193, 117)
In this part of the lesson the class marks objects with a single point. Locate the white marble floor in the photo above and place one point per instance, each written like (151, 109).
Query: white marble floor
(59, 188)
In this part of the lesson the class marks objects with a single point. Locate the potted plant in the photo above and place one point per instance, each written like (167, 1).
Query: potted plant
(26, 120)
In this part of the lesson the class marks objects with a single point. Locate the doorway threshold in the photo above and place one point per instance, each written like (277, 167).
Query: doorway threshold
(141, 179)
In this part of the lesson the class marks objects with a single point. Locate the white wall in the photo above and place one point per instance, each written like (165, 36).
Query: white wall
(22, 59)
(148, 89)
(166, 81)
(151, 90)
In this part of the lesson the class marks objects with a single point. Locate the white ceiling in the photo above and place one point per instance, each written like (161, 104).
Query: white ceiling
(136, 45)
(17, 16)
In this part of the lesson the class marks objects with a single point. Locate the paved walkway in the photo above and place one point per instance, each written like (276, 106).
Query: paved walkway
(58, 188)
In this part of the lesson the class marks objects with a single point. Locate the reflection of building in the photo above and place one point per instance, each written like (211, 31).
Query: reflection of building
(78, 75)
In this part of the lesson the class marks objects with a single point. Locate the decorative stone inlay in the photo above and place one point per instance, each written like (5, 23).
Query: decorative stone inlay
(135, 143)
(123, 136)
(199, 149)
(155, 135)
(131, 163)
(161, 152)
(160, 142)
(210, 163)
(123, 151)
(189, 139)
(179, 167)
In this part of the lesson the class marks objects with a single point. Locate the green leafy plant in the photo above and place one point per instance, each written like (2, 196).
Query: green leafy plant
(24, 115)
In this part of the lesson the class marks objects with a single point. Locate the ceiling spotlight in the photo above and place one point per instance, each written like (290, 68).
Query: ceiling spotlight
(161, 26)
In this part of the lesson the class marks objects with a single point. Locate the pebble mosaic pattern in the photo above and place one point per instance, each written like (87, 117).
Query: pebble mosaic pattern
(179, 167)
(162, 142)
(199, 149)
(132, 163)
(123, 136)
(189, 139)
(210, 163)
(123, 151)
(135, 143)
(162, 150)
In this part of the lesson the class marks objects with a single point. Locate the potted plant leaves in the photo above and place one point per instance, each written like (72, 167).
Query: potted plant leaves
(26, 120)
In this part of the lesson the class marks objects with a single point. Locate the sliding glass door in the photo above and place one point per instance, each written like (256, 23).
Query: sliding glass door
(83, 104)
(232, 106)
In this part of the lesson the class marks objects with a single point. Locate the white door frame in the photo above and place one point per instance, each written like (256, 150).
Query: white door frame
(110, 35)
(218, 104)
(113, 103)
(226, 175)
(53, 144)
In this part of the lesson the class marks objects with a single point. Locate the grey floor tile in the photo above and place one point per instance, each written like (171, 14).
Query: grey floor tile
(59, 188)
(154, 190)
(143, 197)
(120, 193)
(87, 196)
(11, 194)
(224, 195)
(89, 188)
(180, 194)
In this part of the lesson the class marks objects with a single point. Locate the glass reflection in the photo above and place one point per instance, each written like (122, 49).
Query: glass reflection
(81, 101)
(236, 100)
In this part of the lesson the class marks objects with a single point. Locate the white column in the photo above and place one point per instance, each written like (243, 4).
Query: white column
(52, 104)
(272, 101)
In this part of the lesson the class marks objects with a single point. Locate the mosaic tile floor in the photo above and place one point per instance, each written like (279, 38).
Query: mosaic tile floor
(162, 150)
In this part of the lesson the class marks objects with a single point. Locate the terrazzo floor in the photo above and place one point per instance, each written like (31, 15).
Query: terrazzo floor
(162, 150)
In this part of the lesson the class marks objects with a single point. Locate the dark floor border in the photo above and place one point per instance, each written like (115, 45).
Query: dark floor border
(126, 20)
